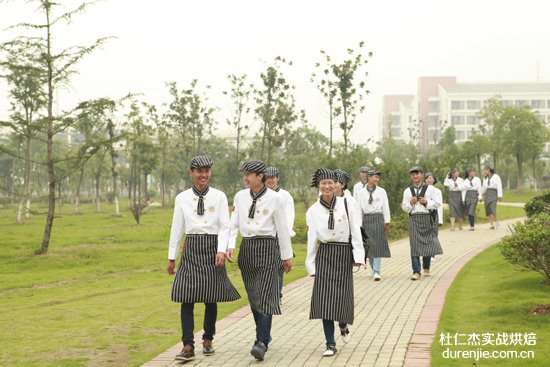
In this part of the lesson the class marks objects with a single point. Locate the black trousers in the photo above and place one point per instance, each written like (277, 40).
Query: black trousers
(188, 322)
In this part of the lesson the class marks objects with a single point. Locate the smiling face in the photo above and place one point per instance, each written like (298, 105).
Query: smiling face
(338, 188)
(272, 182)
(487, 171)
(327, 187)
(416, 177)
(429, 180)
(472, 174)
(200, 176)
(252, 180)
(373, 180)
(363, 176)
(454, 174)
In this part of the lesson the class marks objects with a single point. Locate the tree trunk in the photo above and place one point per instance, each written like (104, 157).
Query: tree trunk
(534, 162)
(479, 163)
(77, 193)
(97, 199)
(330, 132)
(49, 142)
(27, 183)
(520, 173)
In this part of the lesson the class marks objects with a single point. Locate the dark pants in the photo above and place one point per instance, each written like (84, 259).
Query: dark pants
(188, 322)
(263, 326)
(328, 328)
(472, 220)
(426, 260)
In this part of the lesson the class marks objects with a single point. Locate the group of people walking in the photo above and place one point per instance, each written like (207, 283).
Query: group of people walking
(344, 230)
(465, 193)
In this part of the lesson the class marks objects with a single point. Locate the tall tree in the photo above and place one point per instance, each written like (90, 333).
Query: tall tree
(350, 79)
(275, 107)
(57, 67)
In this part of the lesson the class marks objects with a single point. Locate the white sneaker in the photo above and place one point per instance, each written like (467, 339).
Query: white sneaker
(329, 352)
(346, 336)
(376, 277)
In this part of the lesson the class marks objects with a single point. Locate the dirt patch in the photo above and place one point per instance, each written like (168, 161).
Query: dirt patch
(541, 310)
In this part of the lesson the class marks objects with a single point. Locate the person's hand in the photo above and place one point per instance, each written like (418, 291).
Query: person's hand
(229, 254)
(220, 259)
(413, 200)
(287, 265)
(171, 266)
(463, 202)
(386, 227)
(423, 201)
(357, 264)
(312, 275)
(499, 199)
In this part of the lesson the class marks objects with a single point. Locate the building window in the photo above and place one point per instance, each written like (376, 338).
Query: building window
(460, 135)
(521, 102)
(457, 105)
(472, 120)
(542, 118)
(434, 106)
(473, 105)
(537, 103)
(457, 120)
(505, 102)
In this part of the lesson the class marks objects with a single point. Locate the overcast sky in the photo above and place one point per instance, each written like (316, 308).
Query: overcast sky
(173, 40)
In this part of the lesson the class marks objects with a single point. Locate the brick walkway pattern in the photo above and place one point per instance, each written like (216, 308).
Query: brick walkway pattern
(395, 317)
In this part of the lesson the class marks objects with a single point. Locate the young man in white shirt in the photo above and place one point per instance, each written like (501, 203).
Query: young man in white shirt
(418, 200)
(265, 251)
(362, 182)
(375, 213)
(202, 214)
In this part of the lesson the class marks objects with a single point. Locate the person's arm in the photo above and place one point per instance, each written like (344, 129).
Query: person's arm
(356, 238)
(290, 214)
(225, 224)
(448, 183)
(440, 208)
(234, 229)
(311, 244)
(176, 233)
(433, 202)
(281, 226)
(386, 208)
(499, 187)
(406, 204)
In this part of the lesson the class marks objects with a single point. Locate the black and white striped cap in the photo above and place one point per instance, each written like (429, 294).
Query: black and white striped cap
(416, 169)
(373, 172)
(322, 174)
(255, 166)
(272, 171)
(200, 161)
(342, 176)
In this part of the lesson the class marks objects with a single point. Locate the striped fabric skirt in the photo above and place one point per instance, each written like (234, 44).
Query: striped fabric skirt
(422, 236)
(197, 279)
(373, 224)
(455, 204)
(471, 202)
(332, 296)
(491, 198)
(261, 266)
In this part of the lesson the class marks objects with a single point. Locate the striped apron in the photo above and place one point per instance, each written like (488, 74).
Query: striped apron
(491, 197)
(197, 279)
(332, 296)
(261, 266)
(373, 224)
(455, 204)
(471, 202)
(422, 236)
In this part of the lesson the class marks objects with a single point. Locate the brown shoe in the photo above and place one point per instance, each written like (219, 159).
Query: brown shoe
(415, 276)
(426, 272)
(207, 348)
(186, 354)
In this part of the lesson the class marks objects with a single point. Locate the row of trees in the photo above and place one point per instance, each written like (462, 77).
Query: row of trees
(109, 149)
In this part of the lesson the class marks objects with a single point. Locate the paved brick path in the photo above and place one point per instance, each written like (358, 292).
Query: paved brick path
(386, 332)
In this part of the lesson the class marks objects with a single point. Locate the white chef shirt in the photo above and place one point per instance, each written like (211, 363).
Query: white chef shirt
(269, 220)
(352, 203)
(439, 196)
(289, 210)
(317, 223)
(379, 204)
(433, 201)
(186, 220)
(450, 183)
(475, 186)
(495, 183)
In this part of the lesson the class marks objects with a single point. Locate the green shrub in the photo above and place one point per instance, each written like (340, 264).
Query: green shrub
(539, 204)
(529, 246)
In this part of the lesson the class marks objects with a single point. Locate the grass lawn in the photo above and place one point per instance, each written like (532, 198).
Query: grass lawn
(490, 296)
(101, 296)
(513, 197)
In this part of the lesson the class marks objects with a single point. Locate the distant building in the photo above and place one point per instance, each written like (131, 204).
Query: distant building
(442, 102)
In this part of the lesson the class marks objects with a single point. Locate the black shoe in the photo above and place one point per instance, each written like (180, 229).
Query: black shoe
(258, 350)
(207, 347)
(186, 354)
